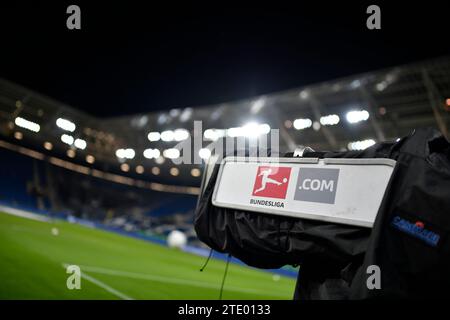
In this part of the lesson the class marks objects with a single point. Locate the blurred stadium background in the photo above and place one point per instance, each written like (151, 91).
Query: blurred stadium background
(92, 175)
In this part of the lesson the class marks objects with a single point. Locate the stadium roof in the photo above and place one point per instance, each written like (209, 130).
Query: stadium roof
(389, 104)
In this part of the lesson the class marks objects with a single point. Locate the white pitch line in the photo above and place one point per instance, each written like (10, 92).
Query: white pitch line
(23, 213)
(105, 286)
(164, 279)
(101, 284)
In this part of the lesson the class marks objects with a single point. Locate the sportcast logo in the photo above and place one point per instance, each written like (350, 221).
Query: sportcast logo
(416, 230)
(272, 182)
(317, 185)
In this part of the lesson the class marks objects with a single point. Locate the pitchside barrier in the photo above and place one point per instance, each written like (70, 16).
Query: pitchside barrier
(347, 191)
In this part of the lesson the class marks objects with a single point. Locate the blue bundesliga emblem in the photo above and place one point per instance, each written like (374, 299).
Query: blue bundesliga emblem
(416, 230)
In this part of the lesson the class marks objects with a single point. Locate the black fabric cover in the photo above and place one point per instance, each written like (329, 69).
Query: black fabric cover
(333, 258)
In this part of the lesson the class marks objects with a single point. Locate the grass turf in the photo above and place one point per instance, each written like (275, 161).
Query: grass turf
(32, 259)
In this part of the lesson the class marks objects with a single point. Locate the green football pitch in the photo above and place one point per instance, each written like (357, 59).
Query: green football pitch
(33, 262)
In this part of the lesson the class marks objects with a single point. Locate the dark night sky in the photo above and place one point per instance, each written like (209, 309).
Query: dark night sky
(130, 57)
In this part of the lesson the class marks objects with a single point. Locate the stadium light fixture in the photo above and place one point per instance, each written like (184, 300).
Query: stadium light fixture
(125, 153)
(301, 124)
(234, 132)
(174, 171)
(447, 104)
(67, 139)
(251, 129)
(167, 135)
(171, 153)
(48, 145)
(186, 114)
(160, 160)
(195, 172)
(27, 124)
(90, 159)
(181, 134)
(257, 105)
(154, 136)
(139, 169)
(304, 94)
(65, 124)
(356, 116)
(125, 167)
(120, 153)
(155, 171)
(71, 153)
(174, 113)
(129, 153)
(162, 118)
(204, 153)
(263, 128)
(329, 120)
(213, 134)
(288, 124)
(381, 85)
(316, 126)
(355, 84)
(216, 114)
(18, 135)
(151, 153)
(361, 145)
(80, 144)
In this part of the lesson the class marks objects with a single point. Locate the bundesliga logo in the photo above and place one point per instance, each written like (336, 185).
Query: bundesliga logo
(271, 182)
